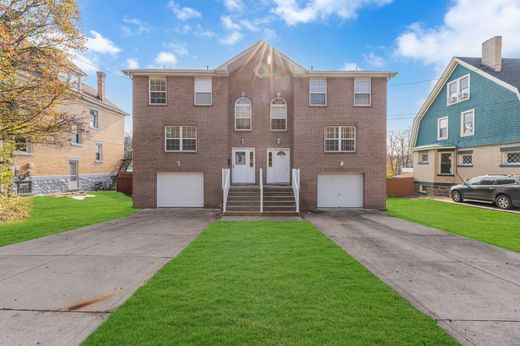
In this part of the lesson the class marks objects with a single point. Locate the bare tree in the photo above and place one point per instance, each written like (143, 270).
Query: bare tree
(398, 150)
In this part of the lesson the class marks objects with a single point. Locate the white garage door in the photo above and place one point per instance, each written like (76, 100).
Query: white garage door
(180, 190)
(340, 191)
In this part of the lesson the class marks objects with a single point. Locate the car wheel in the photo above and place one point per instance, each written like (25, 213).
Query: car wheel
(503, 202)
(456, 196)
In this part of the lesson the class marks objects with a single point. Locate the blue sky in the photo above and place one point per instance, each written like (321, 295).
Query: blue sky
(415, 38)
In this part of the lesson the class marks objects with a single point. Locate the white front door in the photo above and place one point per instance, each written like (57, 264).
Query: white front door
(73, 175)
(278, 166)
(243, 166)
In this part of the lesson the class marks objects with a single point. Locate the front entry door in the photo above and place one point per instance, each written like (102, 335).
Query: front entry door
(243, 166)
(73, 175)
(278, 166)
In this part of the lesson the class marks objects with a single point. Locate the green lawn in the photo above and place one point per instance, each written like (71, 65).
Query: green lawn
(51, 215)
(258, 283)
(492, 227)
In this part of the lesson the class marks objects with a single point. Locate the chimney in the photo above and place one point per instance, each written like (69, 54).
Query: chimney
(101, 85)
(492, 53)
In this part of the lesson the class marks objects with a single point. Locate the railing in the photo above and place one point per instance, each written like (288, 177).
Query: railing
(226, 182)
(296, 187)
(261, 179)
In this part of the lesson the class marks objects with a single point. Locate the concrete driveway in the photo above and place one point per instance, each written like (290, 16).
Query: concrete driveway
(472, 289)
(56, 290)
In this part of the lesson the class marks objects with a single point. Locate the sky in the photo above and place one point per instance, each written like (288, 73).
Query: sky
(417, 39)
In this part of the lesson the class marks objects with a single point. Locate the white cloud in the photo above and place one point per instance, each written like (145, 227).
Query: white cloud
(293, 13)
(100, 44)
(85, 63)
(134, 26)
(132, 63)
(234, 5)
(270, 34)
(177, 48)
(250, 26)
(229, 24)
(165, 59)
(374, 60)
(201, 32)
(466, 25)
(350, 66)
(183, 13)
(184, 29)
(232, 38)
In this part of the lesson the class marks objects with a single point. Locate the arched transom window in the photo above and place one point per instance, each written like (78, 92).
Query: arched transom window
(278, 114)
(243, 114)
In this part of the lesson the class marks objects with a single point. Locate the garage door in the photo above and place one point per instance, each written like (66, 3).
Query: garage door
(340, 191)
(180, 190)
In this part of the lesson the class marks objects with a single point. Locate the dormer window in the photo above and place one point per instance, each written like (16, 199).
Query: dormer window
(458, 90)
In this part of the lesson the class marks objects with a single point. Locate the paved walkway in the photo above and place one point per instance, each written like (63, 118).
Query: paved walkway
(56, 290)
(472, 289)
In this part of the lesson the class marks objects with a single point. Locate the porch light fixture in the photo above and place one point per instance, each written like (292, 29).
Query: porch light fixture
(278, 140)
(341, 164)
(178, 163)
(242, 141)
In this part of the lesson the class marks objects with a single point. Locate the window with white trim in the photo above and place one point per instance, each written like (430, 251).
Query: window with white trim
(458, 90)
(423, 188)
(94, 118)
(340, 138)
(423, 157)
(76, 137)
(99, 152)
(278, 114)
(442, 128)
(466, 160)
(157, 91)
(243, 114)
(317, 92)
(362, 92)
(180, 138)
(203, 91)
(446, 164)
(467, 123)
(22, 145)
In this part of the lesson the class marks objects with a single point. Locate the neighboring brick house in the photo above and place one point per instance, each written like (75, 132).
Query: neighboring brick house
(470, 124)
(92, 157)
(259, 110)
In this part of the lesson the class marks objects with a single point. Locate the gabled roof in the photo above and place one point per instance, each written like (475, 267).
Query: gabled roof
(509, 74)
(90, 94)
(262, 47)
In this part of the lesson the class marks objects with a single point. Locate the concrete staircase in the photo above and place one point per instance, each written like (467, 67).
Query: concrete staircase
(245, 200)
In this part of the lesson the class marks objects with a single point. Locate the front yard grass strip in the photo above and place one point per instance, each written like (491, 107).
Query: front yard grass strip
(266, 283)
(489, 226)
(51, 215)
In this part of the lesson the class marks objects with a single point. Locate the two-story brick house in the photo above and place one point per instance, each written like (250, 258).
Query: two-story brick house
(259, 112)
(91, 158)
(470, 124)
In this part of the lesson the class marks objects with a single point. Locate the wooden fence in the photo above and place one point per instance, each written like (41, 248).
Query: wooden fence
(124, 183)
(399, 187)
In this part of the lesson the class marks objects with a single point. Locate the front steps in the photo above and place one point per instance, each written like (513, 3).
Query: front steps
(245, 200)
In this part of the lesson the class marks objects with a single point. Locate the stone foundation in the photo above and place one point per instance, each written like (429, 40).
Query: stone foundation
(432, 189)
(59, 184)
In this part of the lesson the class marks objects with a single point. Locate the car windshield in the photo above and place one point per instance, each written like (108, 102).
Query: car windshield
(474, 181)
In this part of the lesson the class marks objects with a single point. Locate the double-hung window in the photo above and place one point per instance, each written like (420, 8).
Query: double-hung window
(362, 92)
(340, 138)
(446, 164)
(157, 91)
(458, 90)
(180, 138)
(278, 114)
(243, 114)
(76, 135)
(442, 128)
(203, 91)
(22, 145)
(99, 152)
(467, 123)
(94, 118)
(317, 92)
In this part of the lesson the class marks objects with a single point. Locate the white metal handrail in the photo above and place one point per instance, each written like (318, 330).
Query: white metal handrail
(226, 182)
(261, 178)
(296, 187)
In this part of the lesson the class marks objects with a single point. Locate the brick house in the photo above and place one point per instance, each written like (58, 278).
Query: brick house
(260, 121)
(93, 155)
(469, 126)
